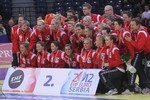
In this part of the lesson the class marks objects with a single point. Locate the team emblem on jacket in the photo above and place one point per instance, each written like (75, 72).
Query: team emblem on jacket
(58, 39)
(73, 63)
(83, 58)
(102, 56)
(24, 61)
(38, 59)
(43, 61)
(47, 37)
(88, 60)
(20, 37)
(28, 61)
(56, 60)
(110, 56)
(148, 63)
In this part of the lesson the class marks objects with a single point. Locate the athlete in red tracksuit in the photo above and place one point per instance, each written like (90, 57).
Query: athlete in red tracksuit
(71, 58)
(58, 34)
(122, 43)
(57, 56)
(15, 61)
(113, 70)
(43, 57)
(100, 52)
(44, 33)
(77, 38)
(25, 34)
(27, 58)
(88, 56)
(140, 42)
(95, 17)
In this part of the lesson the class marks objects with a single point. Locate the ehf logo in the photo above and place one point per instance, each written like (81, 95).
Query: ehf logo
(16, 79)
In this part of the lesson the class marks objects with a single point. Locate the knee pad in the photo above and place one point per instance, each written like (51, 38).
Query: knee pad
(147, 64)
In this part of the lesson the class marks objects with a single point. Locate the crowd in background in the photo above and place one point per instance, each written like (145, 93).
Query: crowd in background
(116, 44)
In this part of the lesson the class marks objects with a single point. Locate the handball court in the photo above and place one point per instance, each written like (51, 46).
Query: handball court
(28, 96)
(20, 96)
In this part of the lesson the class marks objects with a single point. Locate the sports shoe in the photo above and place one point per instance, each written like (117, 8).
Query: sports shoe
(137, 89)
(112, 92)
(127, 92)
(146, 91)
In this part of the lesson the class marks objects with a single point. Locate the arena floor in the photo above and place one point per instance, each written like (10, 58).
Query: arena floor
(21, 96)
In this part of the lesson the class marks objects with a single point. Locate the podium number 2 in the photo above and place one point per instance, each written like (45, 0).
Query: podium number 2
(49, 78)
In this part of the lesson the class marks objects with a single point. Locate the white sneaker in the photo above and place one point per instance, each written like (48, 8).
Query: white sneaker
(112, 92)
(146, 91)
(127, 92)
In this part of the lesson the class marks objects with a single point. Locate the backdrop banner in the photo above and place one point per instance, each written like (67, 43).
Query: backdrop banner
(5, 53)
(52, 81)
(3, 72)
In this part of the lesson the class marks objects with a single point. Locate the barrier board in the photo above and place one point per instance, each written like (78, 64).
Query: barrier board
(5, 53)
(52, 81)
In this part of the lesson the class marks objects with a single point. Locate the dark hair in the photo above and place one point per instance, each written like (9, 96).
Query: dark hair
(112, 37)
(71, 11)
(1, 22)
(119, 21)
(56, 43)
(25, 44)
(71, 47)
(137, 21)
(91, 29)
(21, 15)
(41, 43)
(75, 18)
(87, 5)
(81, 26)
(129, 14)
(107, 29)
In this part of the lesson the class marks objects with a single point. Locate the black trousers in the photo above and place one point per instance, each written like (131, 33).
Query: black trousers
(137, 62)
(147, 69)
(111, 78)
(15, 61)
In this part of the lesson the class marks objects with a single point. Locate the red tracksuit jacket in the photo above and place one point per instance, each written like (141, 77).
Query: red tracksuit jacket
(43, 60)
(141, 41)
(97, 18)
(13, 37)
(57, 59)
(127, 26)
(123, 45)
(29, 60)
(113, 58)
(88, 59)
(77, 42)
(73, 62)
(61, 37)
(22, 36)
(45, 36)
(101, 56)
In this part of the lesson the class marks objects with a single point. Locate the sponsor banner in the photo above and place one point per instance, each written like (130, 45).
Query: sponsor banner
(52, 81)
(3, 72)
(5, 53)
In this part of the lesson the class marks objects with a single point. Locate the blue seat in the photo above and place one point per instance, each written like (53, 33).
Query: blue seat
(58, 4)
(111, 2)
(4, 39)
(127, 7)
